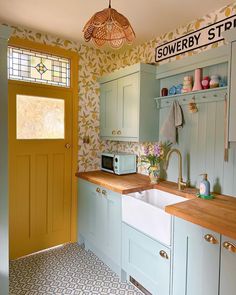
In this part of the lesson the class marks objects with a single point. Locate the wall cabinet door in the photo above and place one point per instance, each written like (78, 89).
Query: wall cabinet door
(128, 98)
(232, 111)
(228, 267)
(108, 109)
(142, 259)
(196, 260)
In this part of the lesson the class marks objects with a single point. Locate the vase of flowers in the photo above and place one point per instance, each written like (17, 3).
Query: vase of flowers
(153, 156)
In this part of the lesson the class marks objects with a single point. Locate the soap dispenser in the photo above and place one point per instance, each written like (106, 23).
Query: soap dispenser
(205, 191)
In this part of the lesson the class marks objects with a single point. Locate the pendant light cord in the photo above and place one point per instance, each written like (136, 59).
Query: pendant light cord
(109, 3)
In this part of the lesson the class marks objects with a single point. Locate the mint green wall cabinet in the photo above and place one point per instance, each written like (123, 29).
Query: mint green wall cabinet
(109, 108)
(228, 267)
(196, 261)
(127, 106)
(142, 259)
(99, 223)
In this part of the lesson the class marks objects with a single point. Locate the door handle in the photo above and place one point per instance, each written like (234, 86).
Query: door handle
(229, 246)
(210, 239)
(98, 190)
(67, 146)
(163, 254)
(104, 193)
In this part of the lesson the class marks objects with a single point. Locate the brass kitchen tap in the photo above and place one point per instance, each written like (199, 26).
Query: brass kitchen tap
(181, 183)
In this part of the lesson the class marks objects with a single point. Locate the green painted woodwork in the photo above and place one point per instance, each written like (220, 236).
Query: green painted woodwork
(127, 110)
(99, 225)
(141, 260)
(199, 267)
(201, 140)
(228, 269)
(230, 36)
(5, 33)
(196, 262)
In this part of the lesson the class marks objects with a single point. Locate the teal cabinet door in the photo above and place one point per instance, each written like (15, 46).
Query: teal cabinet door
(228, 267)
(108, 109)
(196, 260)
(99, 223)
(86, 209)
(128, 108)
(146, 260)
(113, 226)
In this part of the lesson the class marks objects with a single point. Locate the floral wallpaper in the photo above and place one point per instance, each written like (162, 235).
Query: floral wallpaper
(95, 62)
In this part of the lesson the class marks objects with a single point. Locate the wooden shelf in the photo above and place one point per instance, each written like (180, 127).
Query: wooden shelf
(201, 96)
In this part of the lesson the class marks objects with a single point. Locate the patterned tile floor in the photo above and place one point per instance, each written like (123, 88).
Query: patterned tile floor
(65, 270)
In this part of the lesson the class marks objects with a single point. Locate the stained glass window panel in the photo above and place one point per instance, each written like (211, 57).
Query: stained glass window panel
(39, 117)
(32, 66)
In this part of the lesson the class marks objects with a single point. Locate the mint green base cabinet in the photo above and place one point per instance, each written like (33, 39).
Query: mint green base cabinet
(196, 261)
(127, 107)
(142, 260)
(99, 224)
(228, 267)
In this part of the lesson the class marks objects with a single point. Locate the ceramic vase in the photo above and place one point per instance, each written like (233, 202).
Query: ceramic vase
(154, 174)
(215, 81)
(197, 80)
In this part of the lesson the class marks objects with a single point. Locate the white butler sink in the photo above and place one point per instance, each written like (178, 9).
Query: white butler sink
(145, 212)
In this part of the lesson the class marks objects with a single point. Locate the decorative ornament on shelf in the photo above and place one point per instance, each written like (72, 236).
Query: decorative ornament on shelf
(153, 156)
(206, 82)
(192, 106)
(187, 84)
(197, 80)
(109, 26)
(215, 81)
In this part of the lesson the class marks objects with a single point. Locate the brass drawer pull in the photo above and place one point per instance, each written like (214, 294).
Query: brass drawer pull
(98, 190)
(210, 239)
(229, 246)
(113, 132)
(119, 132)
(163, 254)
(104, 192)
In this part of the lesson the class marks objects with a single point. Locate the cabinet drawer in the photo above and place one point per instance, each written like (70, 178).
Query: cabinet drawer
(146, 260)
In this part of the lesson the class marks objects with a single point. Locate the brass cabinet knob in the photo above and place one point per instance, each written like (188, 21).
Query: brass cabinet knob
(163, 254)
(118, 132)
(104, 192)
(230, 247)
(113, 132)
(67, 146)
(210, 239)
(98, 190)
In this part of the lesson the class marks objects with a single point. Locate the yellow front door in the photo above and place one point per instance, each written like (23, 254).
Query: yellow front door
(40, 153)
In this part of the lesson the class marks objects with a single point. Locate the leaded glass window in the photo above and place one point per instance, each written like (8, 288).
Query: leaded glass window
(32, 66)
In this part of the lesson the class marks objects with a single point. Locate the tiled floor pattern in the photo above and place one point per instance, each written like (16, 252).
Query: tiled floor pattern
(66, 270)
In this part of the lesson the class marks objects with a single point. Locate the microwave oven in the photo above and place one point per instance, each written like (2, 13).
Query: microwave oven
(119, 163)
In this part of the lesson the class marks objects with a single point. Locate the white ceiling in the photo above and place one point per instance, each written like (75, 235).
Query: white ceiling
(66, 19)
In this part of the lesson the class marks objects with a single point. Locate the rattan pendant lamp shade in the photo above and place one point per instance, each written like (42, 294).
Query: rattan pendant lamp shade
(109, 26)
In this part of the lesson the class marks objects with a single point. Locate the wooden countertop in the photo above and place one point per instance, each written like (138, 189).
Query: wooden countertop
(218, 214)
(122, 184)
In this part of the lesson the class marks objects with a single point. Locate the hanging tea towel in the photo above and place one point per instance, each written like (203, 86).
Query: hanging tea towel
(173, 121)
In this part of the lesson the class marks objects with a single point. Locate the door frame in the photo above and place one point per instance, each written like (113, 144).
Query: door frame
(74, 73)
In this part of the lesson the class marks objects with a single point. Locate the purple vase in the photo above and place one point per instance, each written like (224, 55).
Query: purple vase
(197, 80)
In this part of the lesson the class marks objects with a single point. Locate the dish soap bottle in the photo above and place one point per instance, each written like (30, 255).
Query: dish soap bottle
(205, 191)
